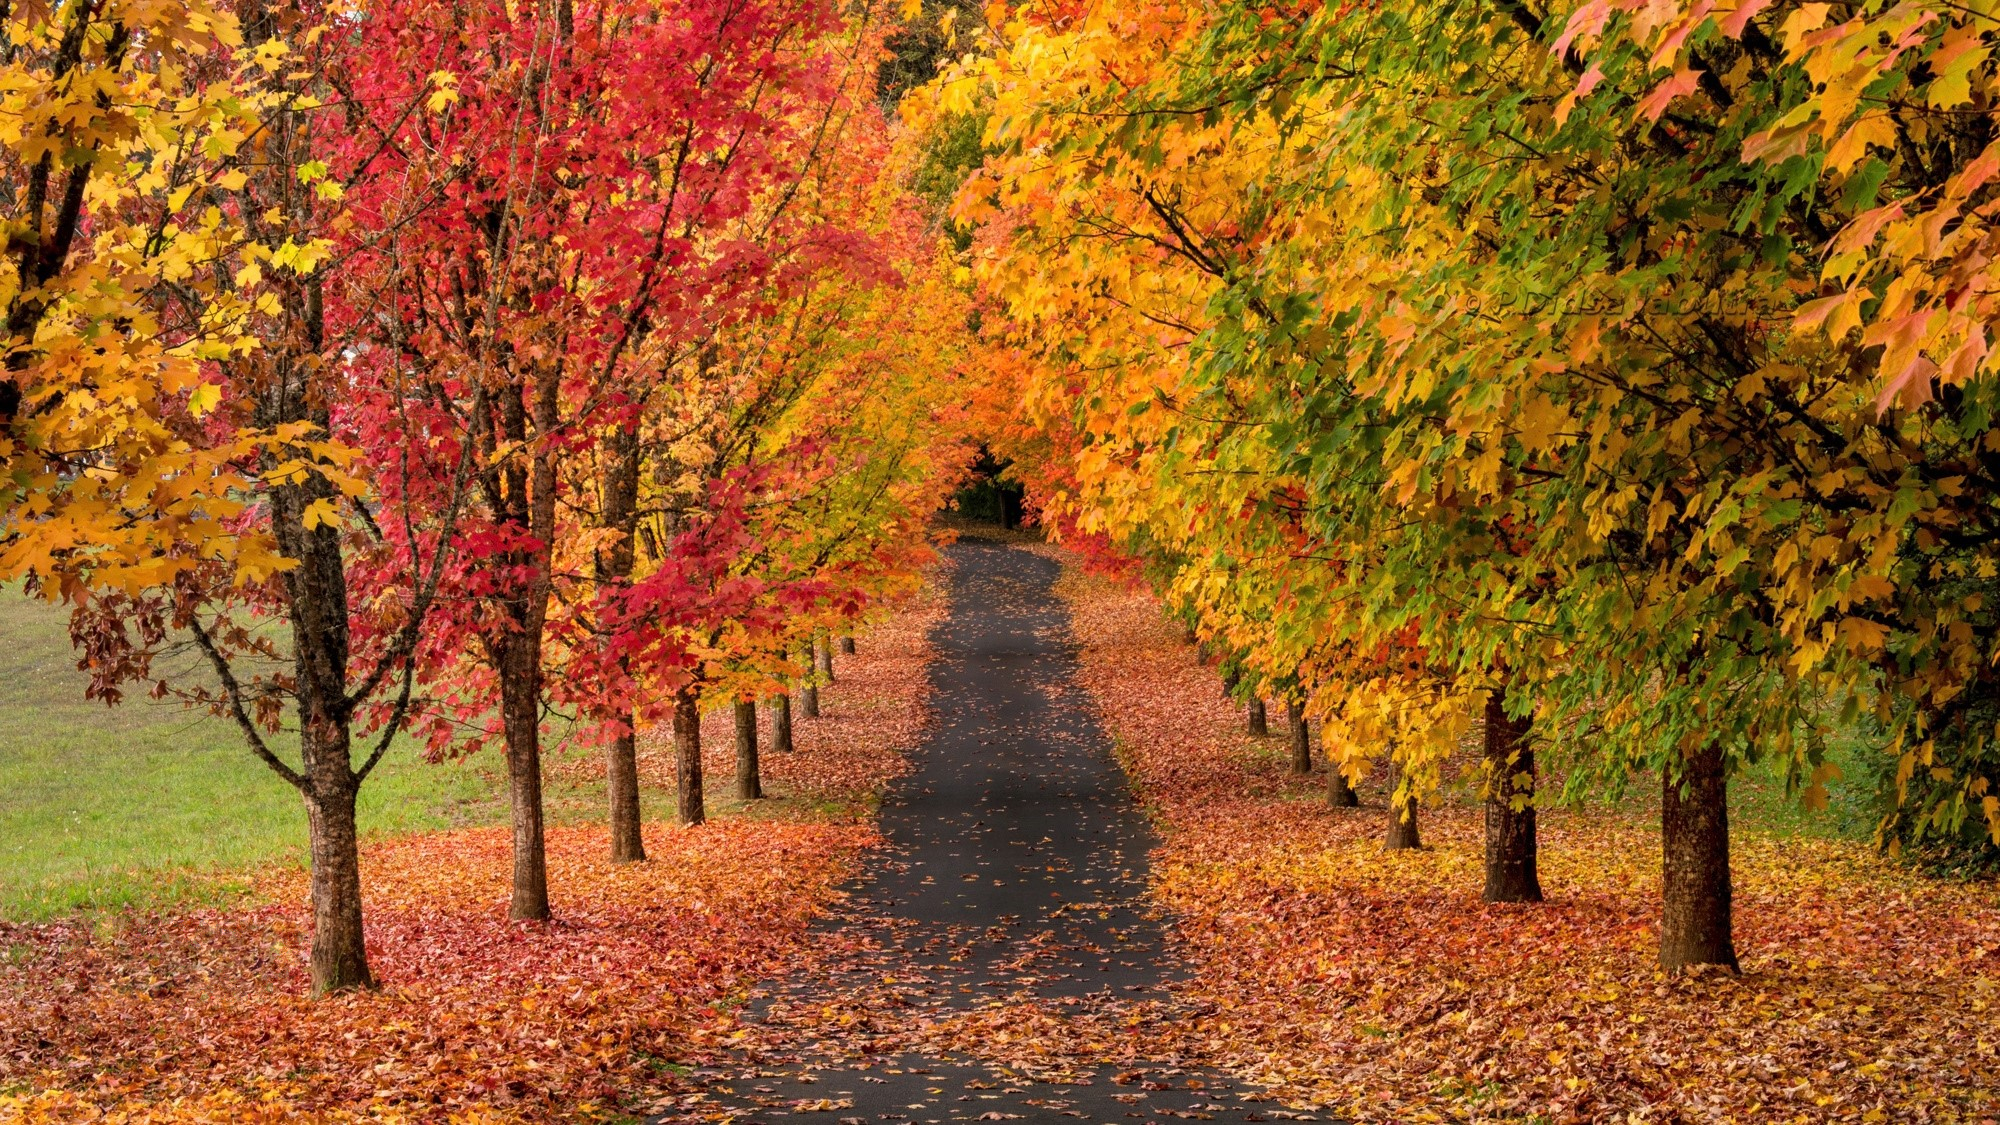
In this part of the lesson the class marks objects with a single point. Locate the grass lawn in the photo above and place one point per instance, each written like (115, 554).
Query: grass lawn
(148, 803)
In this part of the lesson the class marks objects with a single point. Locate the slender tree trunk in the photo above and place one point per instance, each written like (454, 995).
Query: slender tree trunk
(1402, 817)
(619, 505)
(749, 786)
(1339, 794)
(1511, 875)
(823, 658)
(1229, 681)
(809, 688)
(621, 775)
(1260, 724)
(520, 715)
(1301, 737)
(781, 724)
(687, 756)
(847, 646)
(1695, 916)
(339, 955)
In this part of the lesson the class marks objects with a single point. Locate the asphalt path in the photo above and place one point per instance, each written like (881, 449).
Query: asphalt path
(1014, 872)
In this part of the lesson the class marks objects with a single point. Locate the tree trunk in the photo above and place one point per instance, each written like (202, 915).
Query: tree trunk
(1260, 724)
(1229, 681)
(520, 715)
(823, 658)
(687, 757)
(1402, 816)
(781, 724)
(621, 776)
(847, 646)
(749, 786)
(619, 508)
(1339, 794)
(809, 688)
(1301, 736)
(339, 955)
(1510, 780)
(1695, 924)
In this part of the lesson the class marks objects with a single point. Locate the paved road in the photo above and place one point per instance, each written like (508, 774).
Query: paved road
(1015, 871)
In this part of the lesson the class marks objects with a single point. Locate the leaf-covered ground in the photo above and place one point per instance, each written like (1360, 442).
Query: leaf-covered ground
(200, 1016)
(1378, 985)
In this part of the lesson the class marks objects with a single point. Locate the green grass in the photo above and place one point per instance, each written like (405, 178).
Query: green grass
(148, 803)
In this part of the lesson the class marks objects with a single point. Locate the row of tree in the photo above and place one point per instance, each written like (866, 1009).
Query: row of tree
(1611, 373)
(451, 369)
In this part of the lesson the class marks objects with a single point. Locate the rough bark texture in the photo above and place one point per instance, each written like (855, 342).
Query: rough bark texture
(619, 504)
(691, 808)
(1300, 736)
(1510, 832)
(749, 786)
(1695, 916)
(1402, 817)
(847, 646)
(339, 956)
(520, 714)
(823, 658)
(781, 724)
(621, 777)
(1339, 794)
(1260, 723)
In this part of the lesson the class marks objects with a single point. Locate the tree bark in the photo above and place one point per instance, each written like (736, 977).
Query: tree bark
(847, 646)
(1402, 817)
(1511, 874)
(1260, 724)
(1695, 914)
(1301, 737)
(1339, 794)
(691, 808)
(621, 776)
(339, 955)
(781, 724)
(823, 658)
(1229, 681)
(619, 505)
(809, 688)
(749, 786)
(520, 716)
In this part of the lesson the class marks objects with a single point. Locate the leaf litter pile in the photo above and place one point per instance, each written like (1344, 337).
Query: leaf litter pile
(1377, 984)
(201, 1015)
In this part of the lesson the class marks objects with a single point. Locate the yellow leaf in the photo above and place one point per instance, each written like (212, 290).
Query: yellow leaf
(321, 512)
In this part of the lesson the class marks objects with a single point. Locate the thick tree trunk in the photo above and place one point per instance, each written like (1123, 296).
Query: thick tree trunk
(520, 716)
(781, 724)
(1402, 833)
(692, 809)
(621, 776)
(1695, 916)
(1339, 794)
(749, 786)
(1510, 831)
(823, 658)
(1301, 737)
(847, 646)
(1260, 724)
(339, 956)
